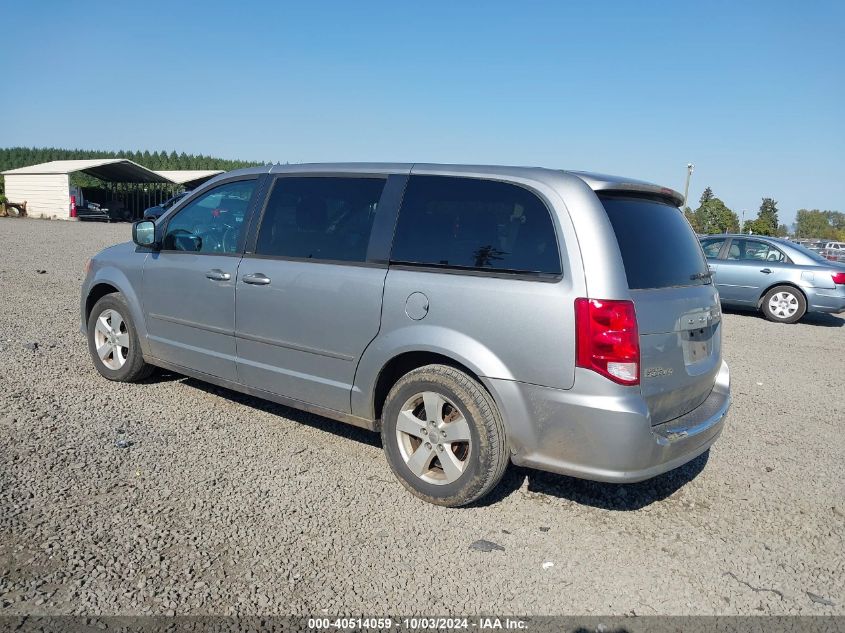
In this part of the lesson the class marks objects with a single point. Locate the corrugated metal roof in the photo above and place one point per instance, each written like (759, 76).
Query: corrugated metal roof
(186, 176)
(110, 169)
(115, 170)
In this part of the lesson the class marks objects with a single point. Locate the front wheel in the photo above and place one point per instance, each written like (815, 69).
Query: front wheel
(784, 304)
(443, 436)
(113, 341)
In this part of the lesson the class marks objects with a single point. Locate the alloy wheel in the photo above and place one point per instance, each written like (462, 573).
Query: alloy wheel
(111, 339)
(434, 438)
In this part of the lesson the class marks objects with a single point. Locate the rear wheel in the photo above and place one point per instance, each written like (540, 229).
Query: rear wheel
(113, 341)
(443, 436)
(784, 304)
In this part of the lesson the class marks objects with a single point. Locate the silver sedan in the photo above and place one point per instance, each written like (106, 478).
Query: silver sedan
(781, 278)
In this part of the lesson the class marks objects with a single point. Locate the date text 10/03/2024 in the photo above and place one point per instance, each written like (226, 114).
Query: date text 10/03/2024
(418, 623)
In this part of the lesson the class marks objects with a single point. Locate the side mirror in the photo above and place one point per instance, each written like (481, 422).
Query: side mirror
(144, 233)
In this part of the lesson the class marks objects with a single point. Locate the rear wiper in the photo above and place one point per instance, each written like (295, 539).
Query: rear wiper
(696, 276)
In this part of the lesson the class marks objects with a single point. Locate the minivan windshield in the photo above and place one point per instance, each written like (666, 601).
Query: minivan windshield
(658, 246)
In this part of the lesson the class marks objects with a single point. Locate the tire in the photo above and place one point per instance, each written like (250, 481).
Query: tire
(121, 363)
(464, 410)
(784, 304)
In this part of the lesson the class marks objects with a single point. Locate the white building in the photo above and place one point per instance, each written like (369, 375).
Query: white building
(46, 187)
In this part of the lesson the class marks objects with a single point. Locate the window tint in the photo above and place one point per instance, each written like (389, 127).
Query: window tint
(658, 246)
(214, 222)
(712, 247)
(754, 250)
(476, 224)
(320, 218)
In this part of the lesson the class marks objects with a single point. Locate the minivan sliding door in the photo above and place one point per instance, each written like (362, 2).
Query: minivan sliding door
(308, 298)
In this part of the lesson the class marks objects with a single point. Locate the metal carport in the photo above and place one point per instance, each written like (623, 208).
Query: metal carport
(46, 187)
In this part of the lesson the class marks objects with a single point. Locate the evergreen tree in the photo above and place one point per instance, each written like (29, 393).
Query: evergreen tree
(768, 216)
(766, 222)
(713, 216)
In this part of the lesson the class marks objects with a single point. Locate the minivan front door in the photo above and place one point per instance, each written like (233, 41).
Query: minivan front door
(188, 288)
(308, 299)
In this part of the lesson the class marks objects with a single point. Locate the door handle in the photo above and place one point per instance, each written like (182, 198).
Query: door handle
(215, 274)
(256, 279)
(766, 270)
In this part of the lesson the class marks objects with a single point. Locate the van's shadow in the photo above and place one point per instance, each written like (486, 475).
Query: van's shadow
(821, 319)
(346, 431)
(619, 497)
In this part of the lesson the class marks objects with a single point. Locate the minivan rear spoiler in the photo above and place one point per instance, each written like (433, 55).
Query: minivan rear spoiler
(614, 184)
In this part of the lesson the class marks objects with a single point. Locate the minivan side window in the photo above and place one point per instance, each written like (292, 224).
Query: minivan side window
(317, 217)
(469, 223)
(213, 223)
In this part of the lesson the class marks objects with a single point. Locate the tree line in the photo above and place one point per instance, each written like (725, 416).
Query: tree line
(14, 157)
(713, 216)
(826, 225)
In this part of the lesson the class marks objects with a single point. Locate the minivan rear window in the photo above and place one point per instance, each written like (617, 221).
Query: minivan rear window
(659, 248)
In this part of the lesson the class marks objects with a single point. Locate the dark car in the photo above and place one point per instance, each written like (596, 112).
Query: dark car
(86, 210)
(113, 210)
(154, 213)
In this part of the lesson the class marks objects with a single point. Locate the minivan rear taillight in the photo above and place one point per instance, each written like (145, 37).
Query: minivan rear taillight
(606, 339)
(838, 278)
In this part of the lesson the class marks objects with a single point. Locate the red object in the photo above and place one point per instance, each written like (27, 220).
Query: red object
(606, 339)
(73, 206)
(838, 278)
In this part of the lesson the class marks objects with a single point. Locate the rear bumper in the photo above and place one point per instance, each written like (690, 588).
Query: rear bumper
(824, 300)
(604, 436)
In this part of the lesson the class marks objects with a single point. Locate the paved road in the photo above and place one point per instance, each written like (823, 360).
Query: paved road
(225, 504)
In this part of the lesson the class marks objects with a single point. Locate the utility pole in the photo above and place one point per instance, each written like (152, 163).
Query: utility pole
(690, 169)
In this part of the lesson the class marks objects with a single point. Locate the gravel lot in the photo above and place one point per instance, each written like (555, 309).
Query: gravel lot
(226, 504)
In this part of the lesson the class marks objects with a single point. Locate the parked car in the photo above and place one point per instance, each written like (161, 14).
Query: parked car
(476, 316)
(84, 209)
(87, 210)
(155, 212)
(114, 210)
(782, 279)
(834, 251)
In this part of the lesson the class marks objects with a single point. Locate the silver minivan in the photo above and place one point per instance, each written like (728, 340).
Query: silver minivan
(474, 315)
